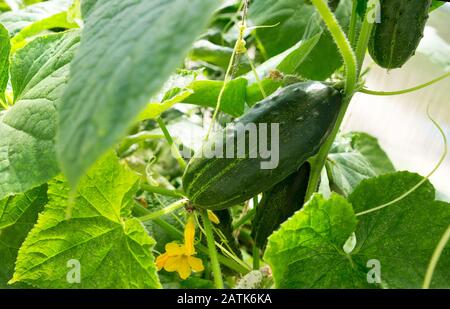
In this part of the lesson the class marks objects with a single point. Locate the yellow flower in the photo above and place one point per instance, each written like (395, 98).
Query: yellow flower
(212, 217)
(178, 258)
(189, 235)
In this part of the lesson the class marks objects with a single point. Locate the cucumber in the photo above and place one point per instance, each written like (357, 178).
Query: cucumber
(305, 113)
(395, 39)
(280, 203)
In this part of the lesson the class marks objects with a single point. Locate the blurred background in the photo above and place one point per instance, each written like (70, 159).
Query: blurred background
(400, 122)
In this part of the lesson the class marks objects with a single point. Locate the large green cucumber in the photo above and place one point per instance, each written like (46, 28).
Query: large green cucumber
(280, 203)
(305, 113)
(395, 39)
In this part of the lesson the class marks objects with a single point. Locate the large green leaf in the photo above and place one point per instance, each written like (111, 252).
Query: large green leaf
(312, 249)
(128, 49)
(19, 214)
(39, 73)
(354, 157)
(17, 20)
(112, 249)
(306, 252)
(5, 47)
(404, 235)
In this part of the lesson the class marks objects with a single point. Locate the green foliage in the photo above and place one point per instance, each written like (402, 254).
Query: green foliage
(18, 214)
(39, 73)
(308, 251)
(92, 227)
(17, 20)
(354, 157)
(143, 77)
(106, 107)
(4, 61)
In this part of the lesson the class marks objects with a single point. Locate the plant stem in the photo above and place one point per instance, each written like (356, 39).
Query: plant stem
(352, 27)
(363, 40)
(172, 144)
(139, 210)
(248, 216)
(217, 273)
(256, 263)
(342, 43)
(137, 138)
(160, 190)
(318, 162)
(387, 93)
(255, 73)
(222, 91)
(435, 258)
(166, 210)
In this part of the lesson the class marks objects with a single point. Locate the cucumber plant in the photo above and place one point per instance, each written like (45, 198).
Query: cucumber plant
(198, 144)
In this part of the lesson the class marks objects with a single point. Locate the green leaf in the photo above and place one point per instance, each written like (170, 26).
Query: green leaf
(13, 207)
(17, 20)
(435, 4)
(113, 76)
(206, 93)
(308, 250)
(312, 42)
(113, 251)
(19, 214)
(39, 73)
(369, 147)
(254, 94)
(325, 58)
(404, 235)
(4, 61)
(60, 20)
(293, 17)
(354, 157)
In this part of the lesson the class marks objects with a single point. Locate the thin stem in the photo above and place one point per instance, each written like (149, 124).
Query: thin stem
(166, 210)
(228, 252)
(363, 40)
(318, 162)
(248, 216)
(342, 43)
(217, 273)
(161, 190)
(435, 258)
(177, 234)
(255, 73)
(172, 144)
(387, 93)
(256, 261)
(137, 138)
(222, 90)
(352, 27)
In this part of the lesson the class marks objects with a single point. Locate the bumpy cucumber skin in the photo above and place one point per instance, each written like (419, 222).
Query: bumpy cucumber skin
(306, 113)
(396, 38)
(280, 203)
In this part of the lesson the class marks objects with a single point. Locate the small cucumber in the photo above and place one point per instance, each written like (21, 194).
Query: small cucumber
(395, 39)
(280, 203)
(305, 114)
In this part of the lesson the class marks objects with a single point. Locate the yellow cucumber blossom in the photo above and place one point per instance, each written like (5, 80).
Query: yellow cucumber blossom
(179, 257)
